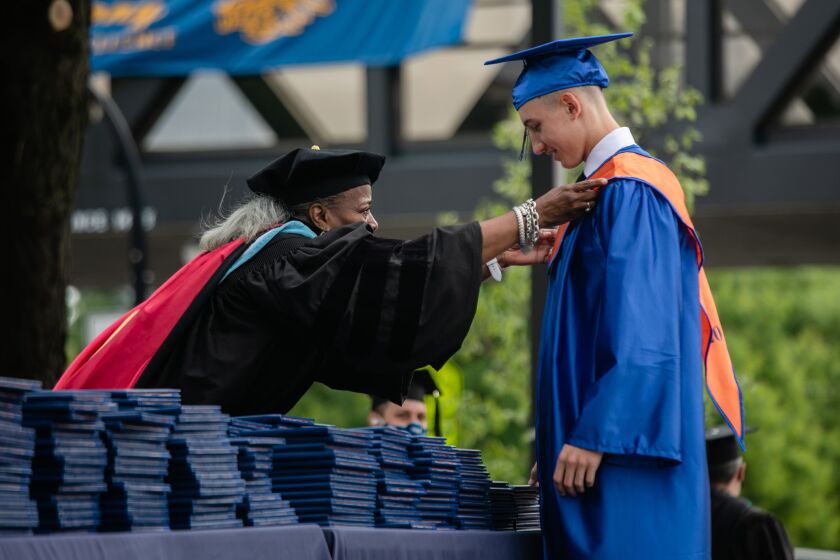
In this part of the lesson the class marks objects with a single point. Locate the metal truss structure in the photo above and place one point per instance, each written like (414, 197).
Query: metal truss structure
(774, 200)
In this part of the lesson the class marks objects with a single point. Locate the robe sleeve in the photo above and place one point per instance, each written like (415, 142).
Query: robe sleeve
(381, 308)
(760, 535)
(632, 409)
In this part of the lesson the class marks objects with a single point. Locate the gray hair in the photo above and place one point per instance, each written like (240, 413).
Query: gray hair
(252, 217)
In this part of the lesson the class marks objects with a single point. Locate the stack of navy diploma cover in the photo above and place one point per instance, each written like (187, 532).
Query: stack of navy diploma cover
(261, 422)
(163, 401)
(203, 472)
(502, 506)
(19, 514)
(68, 470)
(527, 499)
(474, 497)
(138, 463)
(515, 508)
(138, 460)
(327, 474)
(397, 494)
(262, 506)
(437, 468)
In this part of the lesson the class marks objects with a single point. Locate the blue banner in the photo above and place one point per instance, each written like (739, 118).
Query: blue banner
(176, 37)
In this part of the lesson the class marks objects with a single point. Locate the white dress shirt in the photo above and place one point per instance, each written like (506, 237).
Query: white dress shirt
(607, 146)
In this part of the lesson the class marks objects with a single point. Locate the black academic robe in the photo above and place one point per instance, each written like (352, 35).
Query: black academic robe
(743, 532)
(347, 309)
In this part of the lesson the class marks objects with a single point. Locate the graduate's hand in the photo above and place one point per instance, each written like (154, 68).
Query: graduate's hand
(538, 255)
(575, 470)
(568, 202)
(533, 480)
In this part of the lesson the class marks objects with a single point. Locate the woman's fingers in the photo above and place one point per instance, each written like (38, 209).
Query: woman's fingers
(587, 195)
(589, 184)
(567, 202)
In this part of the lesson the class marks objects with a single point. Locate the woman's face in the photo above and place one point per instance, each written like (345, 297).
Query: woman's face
(353, 206)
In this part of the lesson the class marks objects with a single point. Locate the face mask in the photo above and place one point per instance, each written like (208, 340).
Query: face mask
(415, 429)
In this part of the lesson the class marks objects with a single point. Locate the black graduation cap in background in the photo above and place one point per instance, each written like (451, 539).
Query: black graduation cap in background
(307, 174)
(421, 384)
(722, 446)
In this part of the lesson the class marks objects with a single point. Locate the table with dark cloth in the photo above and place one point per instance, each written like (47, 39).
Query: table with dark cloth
(350, 543)
(297, 542)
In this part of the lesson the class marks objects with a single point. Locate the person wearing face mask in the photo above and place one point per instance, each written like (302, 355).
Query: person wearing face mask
(412, 415)
(629, 322)
(294, 288)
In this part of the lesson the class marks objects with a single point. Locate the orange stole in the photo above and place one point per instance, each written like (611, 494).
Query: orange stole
(720, 376)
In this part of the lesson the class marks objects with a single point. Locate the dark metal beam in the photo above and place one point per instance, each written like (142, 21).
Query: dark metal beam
(143, 100)
(655, 26)
(263, 98)
(180, 189)
(756, 19)
(797, 50)
(703, 47)
(546, 25)
(383, 109)
(785, 176)
(772, 239)
(763, 25)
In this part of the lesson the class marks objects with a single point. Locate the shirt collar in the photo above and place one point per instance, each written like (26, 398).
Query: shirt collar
(607, 146)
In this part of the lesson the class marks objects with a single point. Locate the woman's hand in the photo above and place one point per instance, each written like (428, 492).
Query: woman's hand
(568, 202)
(557, 206)
(534, 480)
(538, 255)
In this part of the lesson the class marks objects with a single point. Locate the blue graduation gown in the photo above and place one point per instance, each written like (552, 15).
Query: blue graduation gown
(620, 372)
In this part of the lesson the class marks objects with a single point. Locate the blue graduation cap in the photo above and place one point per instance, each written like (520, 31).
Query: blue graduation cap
(561, 64)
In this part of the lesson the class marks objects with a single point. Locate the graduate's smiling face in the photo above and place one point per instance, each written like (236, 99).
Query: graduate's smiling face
(350, 207)
(555, 127)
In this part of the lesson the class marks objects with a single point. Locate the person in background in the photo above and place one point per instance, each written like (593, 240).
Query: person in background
(412, 415)
(740, 531)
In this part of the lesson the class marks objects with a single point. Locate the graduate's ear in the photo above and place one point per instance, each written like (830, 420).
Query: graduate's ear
(318, 216)
(375, 419)
(741, 474)
(570, 105)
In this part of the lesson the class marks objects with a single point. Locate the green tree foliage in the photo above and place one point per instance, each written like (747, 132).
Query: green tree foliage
(782, 329)
(494, 413)
(340, 408)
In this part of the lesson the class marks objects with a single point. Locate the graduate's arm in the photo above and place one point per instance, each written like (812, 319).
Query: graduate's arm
(633, 407)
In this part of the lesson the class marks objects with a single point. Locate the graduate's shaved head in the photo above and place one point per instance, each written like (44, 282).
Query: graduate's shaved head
(590, 95)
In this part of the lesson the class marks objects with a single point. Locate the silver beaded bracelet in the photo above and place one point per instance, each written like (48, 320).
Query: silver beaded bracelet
(528, 224)
(520, 224)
